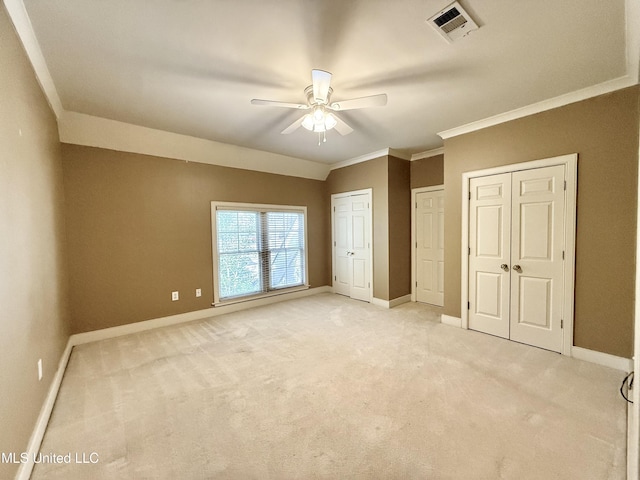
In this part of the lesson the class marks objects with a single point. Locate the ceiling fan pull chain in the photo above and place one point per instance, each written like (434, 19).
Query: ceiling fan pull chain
(319, 135)
(324, 136)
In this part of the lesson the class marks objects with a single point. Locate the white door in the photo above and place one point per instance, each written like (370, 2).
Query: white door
(342, 246)
(537, 246)
(352, 245)
(516, 239)
(489, 254)
(430, 247)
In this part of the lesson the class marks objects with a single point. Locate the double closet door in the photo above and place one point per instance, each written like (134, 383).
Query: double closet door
(351, 222)
(516, 255)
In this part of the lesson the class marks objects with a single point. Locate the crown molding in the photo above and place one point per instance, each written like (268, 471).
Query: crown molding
(549, 104)
(22, 23)
(370, 156)
(427, 154)
(362, 158)
(90, 131)
(632, 36)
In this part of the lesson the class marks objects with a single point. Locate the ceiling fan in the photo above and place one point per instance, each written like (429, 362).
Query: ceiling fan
(321, 118)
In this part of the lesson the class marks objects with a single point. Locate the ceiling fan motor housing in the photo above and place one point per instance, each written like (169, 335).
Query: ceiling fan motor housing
(314, 101)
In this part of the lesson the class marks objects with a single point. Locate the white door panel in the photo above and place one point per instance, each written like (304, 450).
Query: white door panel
(537, 246)
(342, 241)
(490, 207)
(351, 246)
(429, 216)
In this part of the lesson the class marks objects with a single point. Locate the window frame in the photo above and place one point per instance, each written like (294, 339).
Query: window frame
(260, 208)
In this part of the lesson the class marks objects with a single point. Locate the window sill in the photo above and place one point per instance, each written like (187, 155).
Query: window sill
(250, 298)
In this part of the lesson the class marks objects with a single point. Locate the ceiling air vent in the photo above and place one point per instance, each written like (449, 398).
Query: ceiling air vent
(453, 22)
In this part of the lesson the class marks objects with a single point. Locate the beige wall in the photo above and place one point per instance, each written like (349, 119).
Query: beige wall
(427, 172)
(33, 317)
(139, 227)
(371, 174)
(399, 227)
(389, 178)
(604, 133)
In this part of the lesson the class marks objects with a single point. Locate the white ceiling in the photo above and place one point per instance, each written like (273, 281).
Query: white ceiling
(192, 66)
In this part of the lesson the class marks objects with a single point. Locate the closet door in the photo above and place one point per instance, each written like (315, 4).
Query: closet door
(352, 245)
(430, 247)
(489, 254)
(516, 255)
(537, 243)
(342, 245)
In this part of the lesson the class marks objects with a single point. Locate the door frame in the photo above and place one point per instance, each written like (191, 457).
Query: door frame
(570, 163)
(334, 196)
(414, 235)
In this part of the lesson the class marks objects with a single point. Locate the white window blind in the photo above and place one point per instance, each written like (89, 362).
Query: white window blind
(258, 250)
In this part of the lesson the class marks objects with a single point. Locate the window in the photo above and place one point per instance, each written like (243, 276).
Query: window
(258, 250)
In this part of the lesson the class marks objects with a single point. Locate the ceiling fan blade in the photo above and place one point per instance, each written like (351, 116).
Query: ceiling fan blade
(341, 127)
(293, 127)
(273, 103)
(321, 83)
(362, 102)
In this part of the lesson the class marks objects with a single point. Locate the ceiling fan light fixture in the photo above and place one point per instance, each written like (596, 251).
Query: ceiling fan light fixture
(330, 121)
(307, 122)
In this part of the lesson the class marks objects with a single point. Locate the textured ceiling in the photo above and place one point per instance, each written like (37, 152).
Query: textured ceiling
(192, 66)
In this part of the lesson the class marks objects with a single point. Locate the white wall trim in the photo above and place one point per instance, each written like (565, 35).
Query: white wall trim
(571, 171)
(633, 419)
(370, 156)
(451, 321)
(414, 236)
(391, 303)
(112, 332)
(632, 16)
(551, 103)
(427, 154)
(81, 129)
(605, 359)
(25, 469)
(23, 26)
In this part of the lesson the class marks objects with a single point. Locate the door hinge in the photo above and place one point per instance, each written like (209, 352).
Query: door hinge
(469, 195)
(416, 204)
(563, 254)
(334, 209)
(469, 250)
(561, 323)
(565, 184)
(335, 278)
(468, 305)
(416, 284)
(369, 284)
(334, 243)
(416, 244)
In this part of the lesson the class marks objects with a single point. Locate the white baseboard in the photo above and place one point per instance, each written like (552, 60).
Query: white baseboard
(605, 359)
(391, 303)
(24, 472)
(112, 332)
(451, 321)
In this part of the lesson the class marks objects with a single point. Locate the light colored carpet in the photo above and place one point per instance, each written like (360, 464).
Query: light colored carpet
(327, 387)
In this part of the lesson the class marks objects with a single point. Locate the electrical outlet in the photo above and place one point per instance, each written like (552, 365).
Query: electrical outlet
(175, 296)
(39, 369)
(198, 292)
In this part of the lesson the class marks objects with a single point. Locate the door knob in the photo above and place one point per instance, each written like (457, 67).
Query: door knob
(505, 267)
(517, 268)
